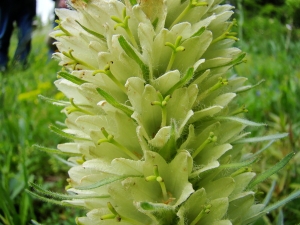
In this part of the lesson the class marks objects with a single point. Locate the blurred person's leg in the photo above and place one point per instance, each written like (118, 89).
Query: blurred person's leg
(24, 20)
(6, 28)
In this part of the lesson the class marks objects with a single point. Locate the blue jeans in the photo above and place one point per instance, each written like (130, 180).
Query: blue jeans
(23, 15)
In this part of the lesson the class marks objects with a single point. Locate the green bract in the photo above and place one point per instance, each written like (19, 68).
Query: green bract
(156, 137)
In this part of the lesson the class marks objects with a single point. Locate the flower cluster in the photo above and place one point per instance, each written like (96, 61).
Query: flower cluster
(156, 137)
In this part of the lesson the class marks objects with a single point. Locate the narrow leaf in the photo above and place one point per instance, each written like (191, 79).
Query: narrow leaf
(54, 151)
(261, 177)
(242, 121)
(185, 79)
(264, 138)
(239, 164)
(199, 32)
(54, 101)
(269, 194)
(114, 102)
(100, 36)
(71, 78)
(131, 53)
(105, 182)
(63, 196)
(64, 134)
(282, 202)
(248, 87)
(52, 201)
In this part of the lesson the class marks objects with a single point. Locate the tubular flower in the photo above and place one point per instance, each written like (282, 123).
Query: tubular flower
(156, 137)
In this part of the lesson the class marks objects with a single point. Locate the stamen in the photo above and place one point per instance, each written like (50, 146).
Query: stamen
(77, 61)
(124, 24)
(227, 34)
(192, 4)
(203, 212)
(160, 180)
(162, 103)
(242, 109)
(211, 138)
(176, 48)
(115, 215)
(221, 82)
(75, 108)
(110, 139)
(108, 72)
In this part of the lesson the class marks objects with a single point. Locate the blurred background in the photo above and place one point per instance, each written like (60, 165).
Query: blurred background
(269, 31)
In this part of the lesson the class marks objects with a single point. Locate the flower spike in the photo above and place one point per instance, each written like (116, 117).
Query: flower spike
(152, 130)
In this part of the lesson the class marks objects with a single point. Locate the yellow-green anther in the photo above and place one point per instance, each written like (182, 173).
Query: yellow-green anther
(211, 138)
(156, 103)
(69, 184)
(150, 178)
(108, 72)
(75, 108)
(155, 169)
(205, 210)
(107, 217)
(242, 109)
(124, 24)
(241, 170)
(81, 160)
(176, 48)
(227, 34)
(192, 4)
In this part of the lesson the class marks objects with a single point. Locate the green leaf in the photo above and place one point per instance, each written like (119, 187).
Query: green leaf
(272, 207)
(248, 87)
(54, 101)
(52, 201)
(263, 138)
(100, 36)
(238, 165)
(105, 182)
(131, 53)
(63, 196)
(261, 177)
(54, 151)
(269, 194)
(184, 80)
(64, 134)
(282, 202)
(71, 78)
(114, 102)
(199, 32)
(242, 121)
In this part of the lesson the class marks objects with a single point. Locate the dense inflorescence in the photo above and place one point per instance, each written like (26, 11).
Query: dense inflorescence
(156, 137)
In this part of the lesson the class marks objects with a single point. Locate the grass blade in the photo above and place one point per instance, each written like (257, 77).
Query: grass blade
(261, 177)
